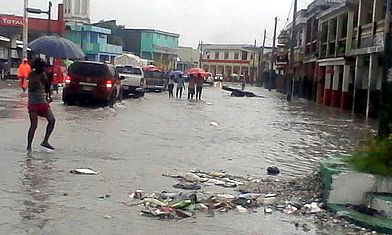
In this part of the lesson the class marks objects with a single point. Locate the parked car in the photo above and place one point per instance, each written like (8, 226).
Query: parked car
(132, 80)
(155, 80)
(91, 81)
(209, 79)
(219, 77)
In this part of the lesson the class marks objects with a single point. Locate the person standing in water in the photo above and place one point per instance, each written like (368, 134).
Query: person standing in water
(38, 105)
(24, 70)
(170, 86)
(191, 87)
(199, 86)
(180, 86)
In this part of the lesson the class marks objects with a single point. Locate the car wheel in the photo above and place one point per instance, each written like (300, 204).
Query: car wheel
(112, 99)
(68, 101)
(140, 94)
(125, 94)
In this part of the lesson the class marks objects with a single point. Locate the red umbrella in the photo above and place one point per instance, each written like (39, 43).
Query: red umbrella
(196, 71)
(151, 68)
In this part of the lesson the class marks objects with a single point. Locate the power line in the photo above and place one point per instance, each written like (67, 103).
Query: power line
(288, 16)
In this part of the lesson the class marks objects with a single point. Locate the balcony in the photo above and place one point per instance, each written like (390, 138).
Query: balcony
(110, 48)
(95, 48)
(371, 35)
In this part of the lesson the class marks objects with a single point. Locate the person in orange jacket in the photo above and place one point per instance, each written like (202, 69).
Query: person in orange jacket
(24, 70)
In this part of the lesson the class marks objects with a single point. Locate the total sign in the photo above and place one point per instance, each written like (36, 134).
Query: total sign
(14, 21)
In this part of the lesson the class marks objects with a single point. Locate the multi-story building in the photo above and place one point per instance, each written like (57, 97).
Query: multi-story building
(367, 51)
(313, 89)
(11, 34)
(226, 59)
(335, 65)
(188, 57)
(93, 40)
(77, 11)
(151, 44)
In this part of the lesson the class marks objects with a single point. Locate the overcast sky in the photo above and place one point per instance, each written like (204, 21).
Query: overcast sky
(213, 21)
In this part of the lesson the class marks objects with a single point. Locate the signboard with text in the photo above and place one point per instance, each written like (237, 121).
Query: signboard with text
(12, 21)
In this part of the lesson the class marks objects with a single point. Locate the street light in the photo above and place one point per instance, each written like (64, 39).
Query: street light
(26, 22)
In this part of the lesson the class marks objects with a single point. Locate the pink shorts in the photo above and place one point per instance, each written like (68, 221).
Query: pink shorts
(40, 109)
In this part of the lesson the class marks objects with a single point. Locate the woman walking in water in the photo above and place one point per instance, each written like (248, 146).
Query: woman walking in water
(38, 104)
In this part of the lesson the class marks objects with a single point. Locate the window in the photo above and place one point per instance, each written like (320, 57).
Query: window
(208, 55)
(244, 55)
(90, 70)
(217, 55)
(226, 55)
(77, 7)
(236, 55)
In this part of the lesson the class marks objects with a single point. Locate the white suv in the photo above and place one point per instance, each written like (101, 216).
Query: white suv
(132, 80)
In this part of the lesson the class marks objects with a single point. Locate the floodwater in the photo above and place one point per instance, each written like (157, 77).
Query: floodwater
(133, 144)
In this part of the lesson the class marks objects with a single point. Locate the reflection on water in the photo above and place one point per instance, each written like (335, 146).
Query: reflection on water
(37, 185)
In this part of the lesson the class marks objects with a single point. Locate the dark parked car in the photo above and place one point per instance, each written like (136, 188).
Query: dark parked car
(155, 80)
(91, 81)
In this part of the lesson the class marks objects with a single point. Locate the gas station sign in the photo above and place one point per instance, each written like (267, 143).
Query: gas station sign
(13, 21)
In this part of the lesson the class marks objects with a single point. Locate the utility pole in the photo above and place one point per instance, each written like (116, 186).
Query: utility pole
(49, 16)
(261, 57)
(272, 59)
(385, 116)
(254, 62)
(290, 82)
(25, 28)
(201, 55)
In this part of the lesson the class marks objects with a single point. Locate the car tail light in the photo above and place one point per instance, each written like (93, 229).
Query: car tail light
(141, 82)
(67, 80)
(109, 84)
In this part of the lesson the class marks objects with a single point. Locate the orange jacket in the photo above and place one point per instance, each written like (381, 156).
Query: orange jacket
(24, 70)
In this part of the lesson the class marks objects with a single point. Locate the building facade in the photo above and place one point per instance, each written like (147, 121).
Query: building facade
(77, 11)
(336, 66)
(343, 53)
(227, 59)
(156, 45)
(11, 27)
(188, 57)
(367, 51)
(93, 40)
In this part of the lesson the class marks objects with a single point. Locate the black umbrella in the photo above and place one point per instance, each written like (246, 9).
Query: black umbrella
(57, 47)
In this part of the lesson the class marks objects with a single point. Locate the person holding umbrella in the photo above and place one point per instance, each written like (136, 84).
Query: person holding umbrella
(170, 85)
(24, 70)
(180, 86)
(199, 86)
(191, 87)
(38, 105)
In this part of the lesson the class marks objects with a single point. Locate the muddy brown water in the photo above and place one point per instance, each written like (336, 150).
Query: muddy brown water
(134, 143)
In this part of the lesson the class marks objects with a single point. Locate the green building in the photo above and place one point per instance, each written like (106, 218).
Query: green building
(93, 40)
(156, 45)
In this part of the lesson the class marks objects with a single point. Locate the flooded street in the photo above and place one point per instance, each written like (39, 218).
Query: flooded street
(133, 144)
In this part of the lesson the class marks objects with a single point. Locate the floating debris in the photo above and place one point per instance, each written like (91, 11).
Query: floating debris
(83, 171)
(214, 124)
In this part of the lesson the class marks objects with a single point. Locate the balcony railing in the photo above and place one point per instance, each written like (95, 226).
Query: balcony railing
(110, 48)
(95, 48)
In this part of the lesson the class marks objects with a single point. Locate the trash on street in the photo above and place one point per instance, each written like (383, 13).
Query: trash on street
(85, 171)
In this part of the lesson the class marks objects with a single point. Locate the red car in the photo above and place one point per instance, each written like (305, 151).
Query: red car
(91, 81)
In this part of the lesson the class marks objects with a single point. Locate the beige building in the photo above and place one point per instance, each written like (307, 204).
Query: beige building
(226, 59)
(188, 57)
(77, 11)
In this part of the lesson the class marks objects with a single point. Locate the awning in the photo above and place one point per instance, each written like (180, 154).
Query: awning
(332, 61)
